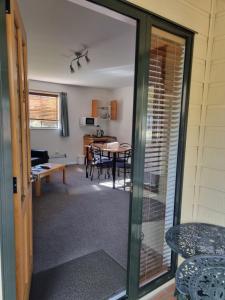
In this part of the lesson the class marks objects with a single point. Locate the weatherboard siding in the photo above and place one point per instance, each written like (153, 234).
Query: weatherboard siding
(196, 16)
(211, 203)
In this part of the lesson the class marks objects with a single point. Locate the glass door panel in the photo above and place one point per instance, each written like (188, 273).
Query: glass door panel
(165, 82)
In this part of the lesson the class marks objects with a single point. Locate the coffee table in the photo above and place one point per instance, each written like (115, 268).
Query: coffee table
(39, 173)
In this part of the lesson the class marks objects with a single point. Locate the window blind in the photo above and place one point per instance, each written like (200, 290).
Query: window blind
(43, 110)
(162, 137)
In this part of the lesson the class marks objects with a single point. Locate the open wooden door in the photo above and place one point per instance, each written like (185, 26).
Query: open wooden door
(17, 65)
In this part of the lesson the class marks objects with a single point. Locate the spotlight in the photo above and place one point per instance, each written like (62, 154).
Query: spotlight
(78, 64)
(87, 59)
(72, 69)
(79, 55)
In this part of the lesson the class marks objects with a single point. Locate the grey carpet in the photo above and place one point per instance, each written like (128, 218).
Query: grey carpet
(92, 277)
(78, 218)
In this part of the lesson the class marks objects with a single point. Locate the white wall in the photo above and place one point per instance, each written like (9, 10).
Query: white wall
(122, 127)
(79, 104)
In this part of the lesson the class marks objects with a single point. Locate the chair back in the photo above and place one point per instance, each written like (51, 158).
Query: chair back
(96, 153)
(126, 155)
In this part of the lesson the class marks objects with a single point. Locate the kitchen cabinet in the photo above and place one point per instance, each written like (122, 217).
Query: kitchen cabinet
(103, 111)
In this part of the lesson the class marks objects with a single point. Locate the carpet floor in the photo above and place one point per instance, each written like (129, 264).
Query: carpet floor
(76, 219)
(95, 276)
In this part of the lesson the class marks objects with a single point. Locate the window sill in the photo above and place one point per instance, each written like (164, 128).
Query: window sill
(46, 128)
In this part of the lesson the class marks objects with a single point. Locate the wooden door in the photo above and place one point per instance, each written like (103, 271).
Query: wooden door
(17, 62)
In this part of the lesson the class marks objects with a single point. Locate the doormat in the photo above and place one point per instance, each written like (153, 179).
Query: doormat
(95, 276)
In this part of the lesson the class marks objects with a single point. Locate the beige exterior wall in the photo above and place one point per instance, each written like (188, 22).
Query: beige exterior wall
(196, 16)
(204, 175)
(210, 205)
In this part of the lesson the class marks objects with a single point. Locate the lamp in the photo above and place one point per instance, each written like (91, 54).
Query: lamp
(78, 56)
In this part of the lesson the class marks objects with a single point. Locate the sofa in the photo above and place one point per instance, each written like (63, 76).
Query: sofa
(39, 157)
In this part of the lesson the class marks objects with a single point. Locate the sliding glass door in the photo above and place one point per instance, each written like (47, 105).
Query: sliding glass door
(165, 82)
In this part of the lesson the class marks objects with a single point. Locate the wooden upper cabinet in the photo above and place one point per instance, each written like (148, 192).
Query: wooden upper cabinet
(112, 109)
(113, 113)
(94, 111)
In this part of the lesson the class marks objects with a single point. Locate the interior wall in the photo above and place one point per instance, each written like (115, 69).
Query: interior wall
(196, 16)
(210, 205)
(79, 104)
(122, 127)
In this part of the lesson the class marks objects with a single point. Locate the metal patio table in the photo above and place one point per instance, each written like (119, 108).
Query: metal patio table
(192, 240)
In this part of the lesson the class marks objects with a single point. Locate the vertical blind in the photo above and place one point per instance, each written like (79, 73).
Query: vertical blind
(43, 109)
(162, 137)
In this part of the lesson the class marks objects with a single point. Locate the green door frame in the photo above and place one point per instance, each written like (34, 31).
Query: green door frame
(7, 251)
(145, 20)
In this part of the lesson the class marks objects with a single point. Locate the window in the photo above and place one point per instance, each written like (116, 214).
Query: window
(44, 110)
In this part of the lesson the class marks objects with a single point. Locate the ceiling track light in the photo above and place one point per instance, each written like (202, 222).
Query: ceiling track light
(72, 68)
(78, 64)
(78, 56)
(87, 59)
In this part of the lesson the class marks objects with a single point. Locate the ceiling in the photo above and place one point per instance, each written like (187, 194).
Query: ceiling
(55, 29)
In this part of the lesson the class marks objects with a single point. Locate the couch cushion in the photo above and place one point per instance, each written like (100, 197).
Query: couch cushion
(35, 161)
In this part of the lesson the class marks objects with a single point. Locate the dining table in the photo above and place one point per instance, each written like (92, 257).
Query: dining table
(112, 150)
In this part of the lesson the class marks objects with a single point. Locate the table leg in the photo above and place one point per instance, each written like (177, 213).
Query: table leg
(37, 187)
(114, 169)
(48, 179)
(180, 296)
(64, 175)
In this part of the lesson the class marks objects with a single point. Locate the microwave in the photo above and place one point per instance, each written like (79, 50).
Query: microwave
(88, 121)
